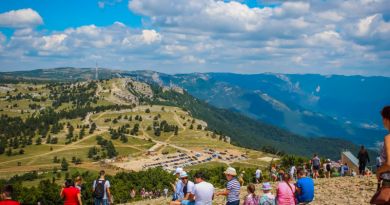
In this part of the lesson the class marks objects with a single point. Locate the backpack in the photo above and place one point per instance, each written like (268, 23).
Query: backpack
(328, 167)
(267, 201)
(99, 189)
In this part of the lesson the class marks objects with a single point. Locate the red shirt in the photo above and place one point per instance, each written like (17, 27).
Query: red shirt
(70, 196)
(9, 202)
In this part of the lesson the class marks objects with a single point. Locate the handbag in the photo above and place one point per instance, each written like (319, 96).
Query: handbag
(382, 195)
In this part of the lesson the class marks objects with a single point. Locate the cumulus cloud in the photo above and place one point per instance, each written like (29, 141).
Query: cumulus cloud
(213, 35)
(20, 18)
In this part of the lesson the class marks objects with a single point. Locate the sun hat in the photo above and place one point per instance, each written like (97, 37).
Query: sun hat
(183, 174)
(266, 186)
(178, 171)
(230, 171)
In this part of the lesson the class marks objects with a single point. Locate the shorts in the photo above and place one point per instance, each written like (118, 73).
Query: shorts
(187, 202)
(101, 202)
(233, 202)
(316, 167)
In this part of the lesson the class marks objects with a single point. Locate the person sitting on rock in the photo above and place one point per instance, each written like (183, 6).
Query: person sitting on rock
(304, 188)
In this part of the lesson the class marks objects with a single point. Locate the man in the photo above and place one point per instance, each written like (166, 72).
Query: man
(292, 172)
(6, 194)
(363, 160)
(177, 186)
(304, 187)
(188, 189)
(344, 170)
(232, 190)
(101, 190)
(203, 191)
(258, 175)
(316, 164)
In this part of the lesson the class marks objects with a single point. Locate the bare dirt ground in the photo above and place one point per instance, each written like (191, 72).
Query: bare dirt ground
(333, 191)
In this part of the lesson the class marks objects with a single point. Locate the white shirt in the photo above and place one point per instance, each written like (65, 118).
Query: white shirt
(190, 187)
(204, 192)
(258, 173)
(292, 170)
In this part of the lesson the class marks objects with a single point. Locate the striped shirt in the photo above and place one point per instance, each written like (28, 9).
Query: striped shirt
(384, 156)
(234, 190)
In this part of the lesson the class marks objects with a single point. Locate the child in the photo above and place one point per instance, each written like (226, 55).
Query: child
(251, 198)
(268, 198)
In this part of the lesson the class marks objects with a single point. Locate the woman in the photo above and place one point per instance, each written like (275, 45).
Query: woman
(251, 198)
(70, 193)
(285, 191)
(383, 173)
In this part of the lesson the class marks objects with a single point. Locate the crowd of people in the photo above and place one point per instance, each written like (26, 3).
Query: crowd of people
(295, 186)
(187, 192)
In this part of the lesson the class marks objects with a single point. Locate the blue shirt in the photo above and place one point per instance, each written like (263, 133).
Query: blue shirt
(179, 189)
(234, 190)
(306, 185)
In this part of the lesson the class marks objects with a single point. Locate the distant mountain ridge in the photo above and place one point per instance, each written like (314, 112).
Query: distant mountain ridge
(345, 107)
(337, 106)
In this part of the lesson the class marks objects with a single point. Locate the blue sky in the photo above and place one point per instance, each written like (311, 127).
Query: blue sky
(176, 36)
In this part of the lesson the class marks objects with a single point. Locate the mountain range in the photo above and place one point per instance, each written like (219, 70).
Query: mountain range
(342, 107)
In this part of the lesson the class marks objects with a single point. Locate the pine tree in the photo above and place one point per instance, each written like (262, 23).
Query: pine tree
(64, 165)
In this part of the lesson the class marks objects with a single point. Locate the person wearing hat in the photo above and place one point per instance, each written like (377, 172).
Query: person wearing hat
(304, 187)
(178, 185)
(232, 191)
(188, 190)
(267, 198)
(327, 168)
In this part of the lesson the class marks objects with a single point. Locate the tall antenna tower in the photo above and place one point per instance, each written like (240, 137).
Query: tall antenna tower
(96, 72)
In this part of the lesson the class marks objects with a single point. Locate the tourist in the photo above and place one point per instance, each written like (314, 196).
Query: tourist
(292, 172)
(285, 192)
(363, 159)
(316, 164)
(188, 189)
(251, 198)
(344, 169)
(143, 193)
(78, 182)
(304, 187)
(267, 198)
(241, 178)
(203, 191)
(132, 193)
(70, 193)
(6, 196)
(166, 192)
(378, 161)
(274, 172)
(178, 186)
(383, 173)
(280, 174)
(258, 175)
(101, 190)
(232, 191)
(327, 168)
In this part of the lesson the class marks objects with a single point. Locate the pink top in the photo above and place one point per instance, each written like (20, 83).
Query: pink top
(251, 200)
(285, 194)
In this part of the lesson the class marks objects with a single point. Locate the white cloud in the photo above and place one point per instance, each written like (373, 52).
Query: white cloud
(150, 36)
(20, 18)
(214, 35)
